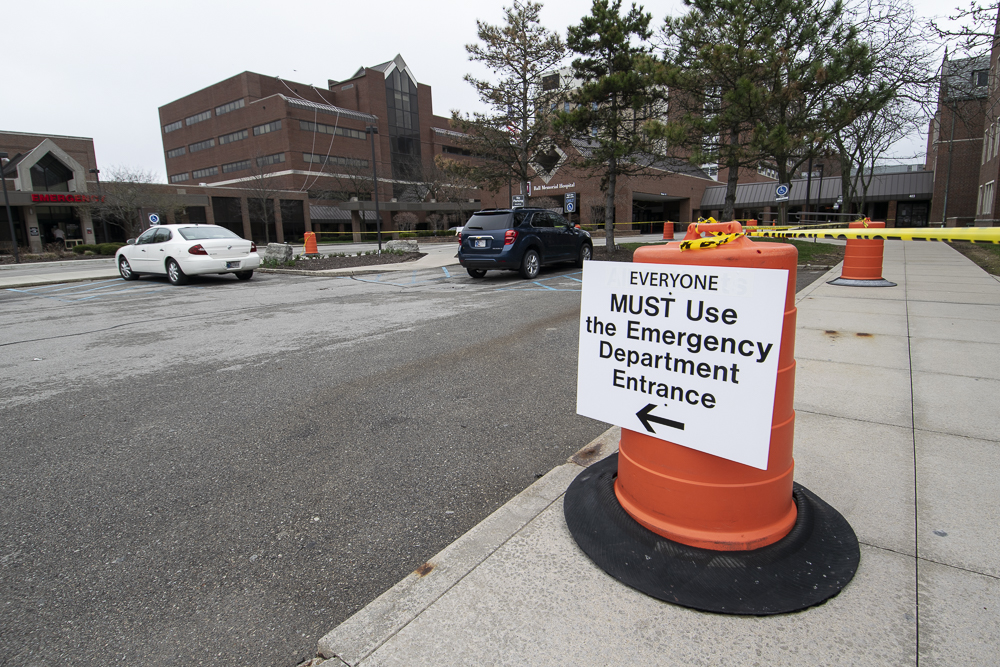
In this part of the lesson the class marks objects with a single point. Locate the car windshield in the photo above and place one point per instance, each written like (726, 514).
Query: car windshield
(199, 233)
(494, 220)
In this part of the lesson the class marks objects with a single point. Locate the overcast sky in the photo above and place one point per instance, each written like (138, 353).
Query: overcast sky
(102, 68)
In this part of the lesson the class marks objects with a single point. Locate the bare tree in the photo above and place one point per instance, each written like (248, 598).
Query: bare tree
(261, 187)
(126, 192)
(445, 183)
(405, 221)
(344, 180)
(902, 58)
(972, 28)
(865, 142)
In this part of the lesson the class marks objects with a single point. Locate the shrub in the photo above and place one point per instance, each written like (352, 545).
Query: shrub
(108, 248)
(84, 247)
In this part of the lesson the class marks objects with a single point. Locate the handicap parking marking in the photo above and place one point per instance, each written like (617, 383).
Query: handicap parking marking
(539, 285)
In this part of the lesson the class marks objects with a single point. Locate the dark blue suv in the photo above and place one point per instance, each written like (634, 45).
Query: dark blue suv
(521, 239)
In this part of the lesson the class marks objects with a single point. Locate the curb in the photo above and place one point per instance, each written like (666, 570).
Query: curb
(377, 622)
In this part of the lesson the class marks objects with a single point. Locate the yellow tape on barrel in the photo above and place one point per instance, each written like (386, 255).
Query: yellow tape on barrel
(713, 241)
(955, 234)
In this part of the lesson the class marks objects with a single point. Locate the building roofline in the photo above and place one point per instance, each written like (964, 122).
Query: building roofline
(46, 136)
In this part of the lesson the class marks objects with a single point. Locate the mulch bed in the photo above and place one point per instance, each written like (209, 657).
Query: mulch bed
(623, 254)
(353, 261)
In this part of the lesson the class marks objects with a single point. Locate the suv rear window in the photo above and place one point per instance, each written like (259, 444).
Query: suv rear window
(495, 220)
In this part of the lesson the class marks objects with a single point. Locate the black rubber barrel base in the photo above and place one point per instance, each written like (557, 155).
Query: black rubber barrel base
(851, 282)
(810, 565)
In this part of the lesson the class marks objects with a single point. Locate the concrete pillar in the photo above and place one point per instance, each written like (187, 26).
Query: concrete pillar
(245, 213)
(34, 232)
(356, 226)
(306, 215)
(87, 223)
(279, 231)
(684, 211)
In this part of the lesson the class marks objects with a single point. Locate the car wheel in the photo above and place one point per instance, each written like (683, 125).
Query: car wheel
(125, 269)
(477, 273)
(586, 253)
(244, 275)
(530, 264)
(174, 273)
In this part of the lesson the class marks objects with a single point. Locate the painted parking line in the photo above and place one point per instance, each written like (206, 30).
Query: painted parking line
(42, 288)
(446, 273)
(136, 290)
(541, 287)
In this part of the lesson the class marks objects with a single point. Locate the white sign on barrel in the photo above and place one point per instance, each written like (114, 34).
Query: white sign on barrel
(687, 354)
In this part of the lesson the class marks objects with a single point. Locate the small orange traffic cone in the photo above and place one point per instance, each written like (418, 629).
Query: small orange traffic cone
(311, 248)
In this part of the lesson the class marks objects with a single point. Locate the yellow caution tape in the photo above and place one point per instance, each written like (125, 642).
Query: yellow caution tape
(713, 241)
(958, 234)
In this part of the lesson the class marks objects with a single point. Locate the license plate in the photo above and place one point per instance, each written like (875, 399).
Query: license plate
(480, 243)
(232, 265)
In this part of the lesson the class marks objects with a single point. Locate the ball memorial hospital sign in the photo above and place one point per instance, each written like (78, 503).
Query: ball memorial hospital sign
(687, 354)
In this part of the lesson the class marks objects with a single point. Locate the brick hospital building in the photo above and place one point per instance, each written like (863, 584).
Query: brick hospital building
(310, 147)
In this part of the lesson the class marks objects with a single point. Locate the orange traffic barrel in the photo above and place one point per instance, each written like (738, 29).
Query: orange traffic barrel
(705, 532)
(696, 498)
(863, 259)
(311, 248)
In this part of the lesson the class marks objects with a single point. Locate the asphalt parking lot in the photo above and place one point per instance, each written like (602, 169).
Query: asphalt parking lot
(225, 471)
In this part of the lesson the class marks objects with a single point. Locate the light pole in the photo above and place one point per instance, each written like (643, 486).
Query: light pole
(819, 166)
(6, 202)
(372, 130)
(104, 223)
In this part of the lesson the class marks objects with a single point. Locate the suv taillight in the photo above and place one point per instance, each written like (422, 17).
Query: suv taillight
(460, 238)
(197, 250)
(253, 247)
(510, 236)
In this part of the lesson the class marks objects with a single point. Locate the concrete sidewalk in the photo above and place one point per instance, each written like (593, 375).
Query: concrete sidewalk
(897, 397)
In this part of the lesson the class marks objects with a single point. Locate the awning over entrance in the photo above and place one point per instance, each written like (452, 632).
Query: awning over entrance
(884, 187)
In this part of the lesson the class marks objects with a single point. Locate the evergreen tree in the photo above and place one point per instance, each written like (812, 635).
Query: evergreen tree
(618, 94)
(504, 139)
(813, 63)
(714, 57)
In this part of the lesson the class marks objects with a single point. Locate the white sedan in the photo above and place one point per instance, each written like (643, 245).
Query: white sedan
(180, 251)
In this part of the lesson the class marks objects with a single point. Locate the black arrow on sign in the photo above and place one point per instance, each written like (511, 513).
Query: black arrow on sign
(645, 418)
